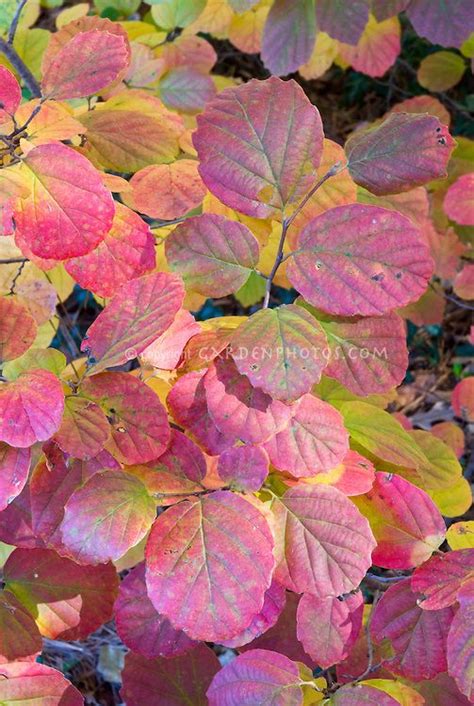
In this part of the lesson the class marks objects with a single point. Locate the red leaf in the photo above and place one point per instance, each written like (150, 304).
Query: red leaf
(138, 421)
(10, 94)
(281, 351)
(16, 523)
(377, 264)
(69, 210)
(165, 353)
(107, 516)
(342, 20)
(403, 152)
(442, 691)
(244, 468)
(189, 578)
(462, 399)
(14, 468)
(458, 203)
(31, 408)
(377, 49)
(29, 682)
(188, 405)
(84, 429)
(323, 543)
(239, 410)
(213, 254)
(405, 521)
(442, 576)
(288, 36)
(88, 62)
(140, 311)
(417, 637)
(313, 441)
(140, 627)
(180, 681)
(68, 601)
(461, 642)
(257, 677)
(329, 627)
(259, 145)
(362, 695)
(17, 328)
(441, 23)
(355, 475)
(19, 636)
(127, 251)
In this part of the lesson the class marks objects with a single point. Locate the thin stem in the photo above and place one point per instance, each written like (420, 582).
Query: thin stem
(12, 55)
(22, 128)
(13, 260)
(16, 19)
(370, 644)
(335, 169)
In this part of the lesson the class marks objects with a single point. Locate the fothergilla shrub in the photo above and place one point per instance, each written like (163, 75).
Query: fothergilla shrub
(234, 488)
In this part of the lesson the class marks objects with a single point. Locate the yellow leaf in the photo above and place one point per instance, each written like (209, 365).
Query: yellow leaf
(245, 30)
(454, 500)
(405, 695)
(324, 54)
(215, 19)
(71, 13)
(461, 535)
(441, 70)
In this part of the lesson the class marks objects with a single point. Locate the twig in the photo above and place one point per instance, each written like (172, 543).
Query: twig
(370, 644)
(16, 19)
(13, 260)
(335, 169)
(16, 277)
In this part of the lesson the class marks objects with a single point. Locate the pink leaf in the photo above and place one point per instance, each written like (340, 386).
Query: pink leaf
(378, 264)
(404, 151)
(69, 210)
(140, 311)
(462, 399)
(323, 543)
(165, 353)
(259, 145)
(239, 410)
(244, 468)
(313, 441)
(29, 682)
(377, 49)
(459, 203)
(417, 637)
(186, 89)
(141, 628)
(258, 677)
(88, 62)
(179, 681)
(10, 94)
(342, 20)
(461, 642)
(288, 36)
(31, 408)
(189, 578)
(14, 468)
(84, 429)
(442, 691)
(363, 695)
(442, 576)
(442, 23)
(106, 517)
(139, 423)
(328, 627)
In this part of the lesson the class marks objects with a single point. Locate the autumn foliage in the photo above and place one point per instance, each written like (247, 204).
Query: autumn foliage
(237, 481)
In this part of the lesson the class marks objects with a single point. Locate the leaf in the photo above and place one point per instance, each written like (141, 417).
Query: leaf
(280, 351)
(328, 627)
(324, 53)
(166, 191)
(126, 252)
(10, 94)
(69, 210)
(458, 204)
(36, 358)
(323, 543)
(342, 20)
(383, 9)
(413, 204)
(17, 329)
(131, 131)
(67, 601)
(186, 89)
(460, 644)
(464, 283)
(140, 627)
(460, 535)
(166, 352)
(353, 476)
(246, 29)
(140, 311)
(188, 575)
(404, 694)
(443, 469)
(213, 254)
(423, 104)
(106, 517)
(367, 355)
(169, 14)
(361, 270)
(462, 398)
(139, 423)
(241, 147)
(441, 70)
(257, 677)
(14, 469)
(403, 152)
(84, 428)
(273, 605)
(441, 578)
(31, 408)
(19, 636)
(416, 637)
(405, 521)
(241, 6)
(181, 680)
(448, 25)
(239, 410)
(442, 691)
(377, 49)
(313, 441)
(362, 695)
(87, 63)
(187, 402)
(288, 36)
(36, 683)
(244, 468)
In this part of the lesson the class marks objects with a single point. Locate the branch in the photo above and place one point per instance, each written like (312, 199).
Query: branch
(8, 50)
(13, 260)
(16, 19)
(335, 169)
